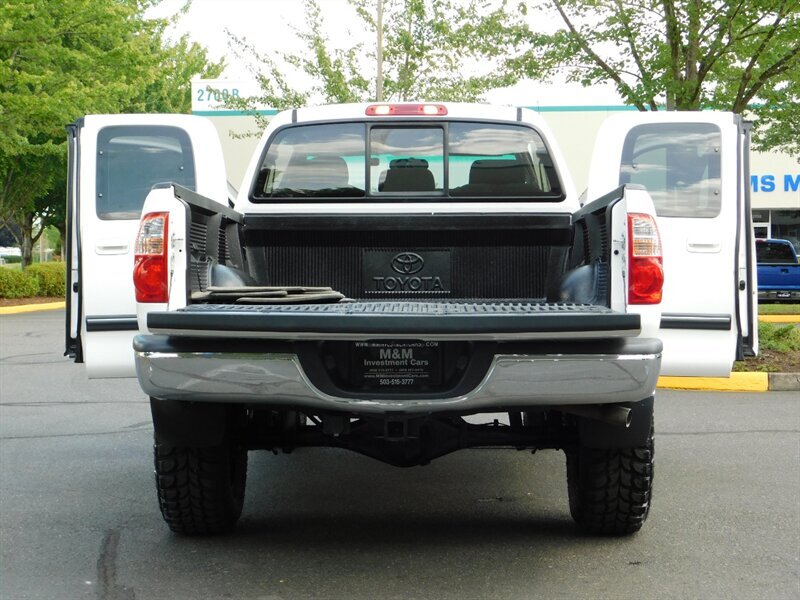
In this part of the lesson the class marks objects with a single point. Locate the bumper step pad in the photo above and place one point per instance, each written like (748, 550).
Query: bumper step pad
(398, 319)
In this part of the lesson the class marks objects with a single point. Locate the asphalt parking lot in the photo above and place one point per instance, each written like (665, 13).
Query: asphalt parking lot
(79, 517)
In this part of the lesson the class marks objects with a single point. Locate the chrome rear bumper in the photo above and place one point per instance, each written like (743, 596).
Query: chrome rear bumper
(512, 380)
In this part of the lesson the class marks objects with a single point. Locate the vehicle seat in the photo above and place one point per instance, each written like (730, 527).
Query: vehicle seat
(409, 175)
(505, 176)
(325, 171)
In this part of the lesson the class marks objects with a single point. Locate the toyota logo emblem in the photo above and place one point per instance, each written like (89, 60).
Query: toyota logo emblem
(407, 263)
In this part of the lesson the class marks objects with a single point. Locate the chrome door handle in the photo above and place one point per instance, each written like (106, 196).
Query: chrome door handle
(112, 247)
(707, 247)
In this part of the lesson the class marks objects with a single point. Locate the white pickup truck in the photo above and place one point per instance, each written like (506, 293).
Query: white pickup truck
(388, 273)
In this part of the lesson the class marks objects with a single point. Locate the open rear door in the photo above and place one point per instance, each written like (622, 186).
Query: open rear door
(695, 167)
(113, 161)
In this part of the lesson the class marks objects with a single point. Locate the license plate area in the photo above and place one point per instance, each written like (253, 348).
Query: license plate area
(390, 365)
(396, 366)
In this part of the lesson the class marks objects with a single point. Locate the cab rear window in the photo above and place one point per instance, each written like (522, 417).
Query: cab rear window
(384, 162)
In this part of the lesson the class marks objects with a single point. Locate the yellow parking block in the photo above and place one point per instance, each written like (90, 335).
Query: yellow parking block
(14, 310)
(779, 318)
(737, 382)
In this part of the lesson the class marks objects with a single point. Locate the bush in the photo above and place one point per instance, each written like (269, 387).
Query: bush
(17, 284)
(52, 278)
(13, 259)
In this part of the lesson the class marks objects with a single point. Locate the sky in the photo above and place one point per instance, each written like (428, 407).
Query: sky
(270, 26)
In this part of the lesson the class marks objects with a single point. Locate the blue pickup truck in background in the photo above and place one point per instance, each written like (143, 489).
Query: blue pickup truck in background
(778, 271)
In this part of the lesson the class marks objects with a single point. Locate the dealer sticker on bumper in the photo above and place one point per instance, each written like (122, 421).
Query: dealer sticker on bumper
(396, 364)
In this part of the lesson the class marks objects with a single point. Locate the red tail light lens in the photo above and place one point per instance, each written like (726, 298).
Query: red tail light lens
(645, 265)
(150, 269)
(390, 110)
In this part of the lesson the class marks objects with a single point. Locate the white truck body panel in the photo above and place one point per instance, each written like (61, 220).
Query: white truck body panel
(102, 303)
(705, 244)
(698, 252)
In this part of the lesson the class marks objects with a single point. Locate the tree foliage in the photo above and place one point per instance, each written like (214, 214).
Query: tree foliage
(61, 60)
(737, 55)
(431, 51)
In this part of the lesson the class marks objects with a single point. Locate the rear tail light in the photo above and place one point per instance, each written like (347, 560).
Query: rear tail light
(389, 110)
(150, 269)
(645, 266)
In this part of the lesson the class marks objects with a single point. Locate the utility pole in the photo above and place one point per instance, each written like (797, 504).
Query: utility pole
(379, 55)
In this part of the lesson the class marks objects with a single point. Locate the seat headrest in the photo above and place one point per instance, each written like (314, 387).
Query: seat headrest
(402, 163)
(499, 172)
(316, 173)
(409, 179)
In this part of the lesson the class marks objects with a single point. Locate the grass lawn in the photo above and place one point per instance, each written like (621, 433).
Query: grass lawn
(779, 350)
(778, 309)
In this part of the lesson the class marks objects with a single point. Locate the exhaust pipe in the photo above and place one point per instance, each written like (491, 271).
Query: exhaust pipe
(614, 414)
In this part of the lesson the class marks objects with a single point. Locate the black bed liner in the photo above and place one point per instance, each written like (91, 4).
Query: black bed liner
(462, 320)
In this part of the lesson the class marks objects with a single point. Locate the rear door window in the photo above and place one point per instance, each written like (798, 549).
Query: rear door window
(679, 164)
(133, 158)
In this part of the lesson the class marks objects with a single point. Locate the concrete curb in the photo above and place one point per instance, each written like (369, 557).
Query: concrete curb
(25, 308)
(784, 382)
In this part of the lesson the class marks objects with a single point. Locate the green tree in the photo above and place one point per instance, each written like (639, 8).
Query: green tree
(60, 60)
(430, 52)
(738, 55)
(167, 89)
(780, 117)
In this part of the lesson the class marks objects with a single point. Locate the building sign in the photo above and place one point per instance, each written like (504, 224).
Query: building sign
(785, 182)
(213, 97)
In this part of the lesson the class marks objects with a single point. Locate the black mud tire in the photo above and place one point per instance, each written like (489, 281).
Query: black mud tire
(610, 490)
(200, 490)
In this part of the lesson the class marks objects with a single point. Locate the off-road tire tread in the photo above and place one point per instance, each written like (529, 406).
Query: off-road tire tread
(610, 491)
(200, 490)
